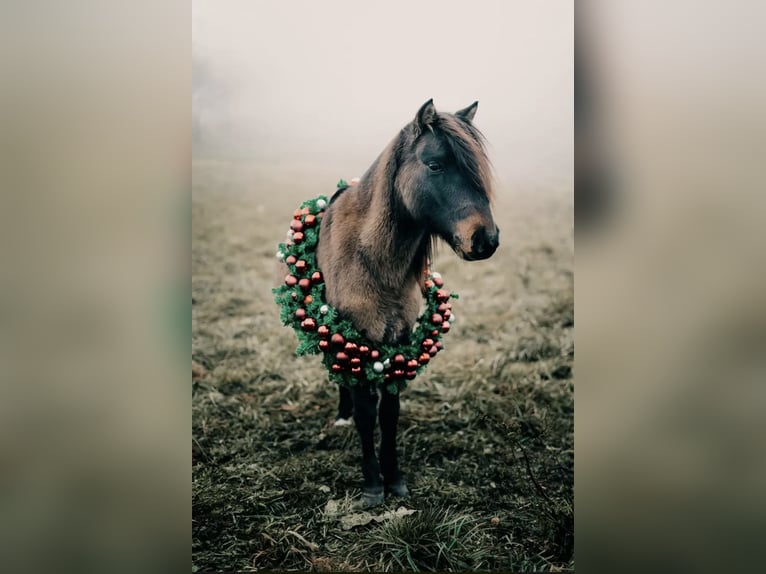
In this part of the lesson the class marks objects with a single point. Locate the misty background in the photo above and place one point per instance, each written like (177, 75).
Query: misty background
(325, 86)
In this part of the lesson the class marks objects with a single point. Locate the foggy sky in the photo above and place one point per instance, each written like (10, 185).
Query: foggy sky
(315, 83)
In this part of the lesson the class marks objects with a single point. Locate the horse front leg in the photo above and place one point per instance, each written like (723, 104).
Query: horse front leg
(365, 400)
(345, 407)
(389, 422)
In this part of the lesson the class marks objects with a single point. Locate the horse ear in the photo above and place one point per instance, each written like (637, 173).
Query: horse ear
(468, 113)
(425, 117)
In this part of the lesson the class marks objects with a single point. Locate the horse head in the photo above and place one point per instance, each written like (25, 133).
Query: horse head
(444, 180)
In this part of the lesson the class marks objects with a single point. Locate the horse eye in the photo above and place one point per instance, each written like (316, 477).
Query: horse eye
(434, 166)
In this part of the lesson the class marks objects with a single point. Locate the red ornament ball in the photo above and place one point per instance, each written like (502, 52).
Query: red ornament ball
(337, 339)
(428, 343)
(304, 284)
(297, 214)
(336, 368)
(412, 364)
(411, 375)
(324, 345)
(316, 277)
(435, 333)
(364, 350)
(436, 319)
(441, 294)
(424, 358)
(323, 331)
(300, 314)
(296, 225)
(445, 327)
(297, 237)
(309, 220)
(356, 361)
(439, 345)
(300, 266)
(439, 281)
(356, 370)
(308, 324)
(433, 350)
(351, 348)
(443, 307)
(428, 284)
(308, 299)
(341, 357)
(291, 280)
(374, 354)
(399, 359)
(290, 260)
(398, 373)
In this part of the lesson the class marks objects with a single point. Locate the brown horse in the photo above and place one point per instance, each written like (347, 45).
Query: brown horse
(432, 181)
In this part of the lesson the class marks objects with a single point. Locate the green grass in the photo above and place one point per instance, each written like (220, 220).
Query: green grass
(488, 427)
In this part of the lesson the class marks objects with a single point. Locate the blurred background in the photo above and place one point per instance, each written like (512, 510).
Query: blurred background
(670, 302)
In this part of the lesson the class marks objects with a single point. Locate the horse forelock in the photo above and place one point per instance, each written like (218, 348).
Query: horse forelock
(468, 145)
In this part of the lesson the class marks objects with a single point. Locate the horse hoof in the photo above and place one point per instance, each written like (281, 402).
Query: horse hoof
(342, 422)
(398, 489)
(372, 497)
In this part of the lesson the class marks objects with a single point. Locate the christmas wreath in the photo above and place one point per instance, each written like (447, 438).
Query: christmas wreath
(348, 355)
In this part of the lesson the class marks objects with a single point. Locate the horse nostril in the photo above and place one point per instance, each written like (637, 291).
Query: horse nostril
(479, 241)
(483, 244)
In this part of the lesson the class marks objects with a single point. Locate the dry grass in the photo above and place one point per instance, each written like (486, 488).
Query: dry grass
(486, 433)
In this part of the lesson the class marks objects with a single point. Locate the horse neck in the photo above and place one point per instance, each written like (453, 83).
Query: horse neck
(393, 247)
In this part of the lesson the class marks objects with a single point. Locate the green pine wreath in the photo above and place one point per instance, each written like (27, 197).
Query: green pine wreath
(349, 356)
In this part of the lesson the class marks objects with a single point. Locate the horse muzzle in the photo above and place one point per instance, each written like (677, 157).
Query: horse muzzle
(483, 244)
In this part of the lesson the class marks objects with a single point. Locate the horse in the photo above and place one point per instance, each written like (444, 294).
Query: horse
(433, 181)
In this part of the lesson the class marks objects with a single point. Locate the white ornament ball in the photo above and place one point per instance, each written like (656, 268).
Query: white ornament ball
(387, 363)
(324, 309)
(321, 203)
(452, 318)
(377, 366)
(436, 275)
(289, 233)
(280, 256)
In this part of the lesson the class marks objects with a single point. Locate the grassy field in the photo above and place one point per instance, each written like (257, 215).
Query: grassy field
(489, 425)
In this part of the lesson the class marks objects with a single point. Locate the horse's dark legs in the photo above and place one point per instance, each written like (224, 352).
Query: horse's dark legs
(365, 400)
(389, 421)
(345, 407)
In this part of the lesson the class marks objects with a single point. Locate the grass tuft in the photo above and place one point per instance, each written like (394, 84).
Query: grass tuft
(432, 540)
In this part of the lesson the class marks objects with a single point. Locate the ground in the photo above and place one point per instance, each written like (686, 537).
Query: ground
(486, 433)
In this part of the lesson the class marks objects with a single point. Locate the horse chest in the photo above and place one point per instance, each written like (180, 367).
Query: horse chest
(400, 312)
(383, 315)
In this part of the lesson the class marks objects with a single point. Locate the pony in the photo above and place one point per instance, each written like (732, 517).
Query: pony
(433, 181)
